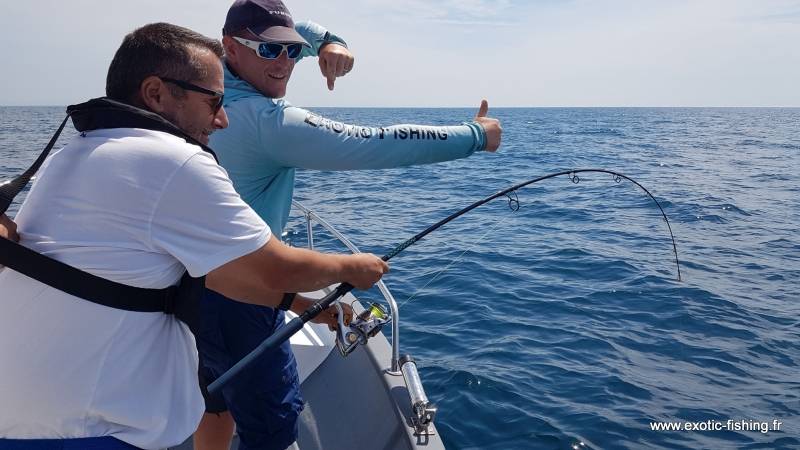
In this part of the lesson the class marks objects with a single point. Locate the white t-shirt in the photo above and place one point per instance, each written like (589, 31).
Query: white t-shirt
(136, 207)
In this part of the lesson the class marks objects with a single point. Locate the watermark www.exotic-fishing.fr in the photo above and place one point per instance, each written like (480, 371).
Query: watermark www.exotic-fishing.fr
(719, 425)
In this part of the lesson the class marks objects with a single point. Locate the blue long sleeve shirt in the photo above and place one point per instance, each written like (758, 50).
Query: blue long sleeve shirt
(267, 139)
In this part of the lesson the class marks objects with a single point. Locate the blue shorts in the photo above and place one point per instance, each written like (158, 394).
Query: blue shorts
(92, 443)
(265, 400)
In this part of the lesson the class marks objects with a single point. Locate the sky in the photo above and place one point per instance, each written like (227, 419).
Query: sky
(451, 53)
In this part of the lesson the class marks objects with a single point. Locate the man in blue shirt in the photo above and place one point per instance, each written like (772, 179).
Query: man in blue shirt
(267, 139)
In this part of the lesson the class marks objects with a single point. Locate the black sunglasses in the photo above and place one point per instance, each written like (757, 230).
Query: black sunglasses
(193, 87)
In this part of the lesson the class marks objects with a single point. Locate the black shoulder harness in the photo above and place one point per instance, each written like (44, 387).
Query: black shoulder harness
(180, 300)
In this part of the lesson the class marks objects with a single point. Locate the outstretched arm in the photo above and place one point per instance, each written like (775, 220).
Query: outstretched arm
(300, 138)
(263, 276)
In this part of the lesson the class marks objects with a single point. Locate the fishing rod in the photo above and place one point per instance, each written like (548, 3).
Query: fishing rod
(296, 324)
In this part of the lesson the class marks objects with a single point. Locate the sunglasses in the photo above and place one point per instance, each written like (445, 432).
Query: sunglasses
(271, 50)
(193, 87)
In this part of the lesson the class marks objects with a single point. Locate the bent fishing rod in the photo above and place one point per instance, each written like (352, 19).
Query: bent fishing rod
(296, 324)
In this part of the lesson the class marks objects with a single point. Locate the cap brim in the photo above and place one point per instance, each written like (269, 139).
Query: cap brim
(279, 34)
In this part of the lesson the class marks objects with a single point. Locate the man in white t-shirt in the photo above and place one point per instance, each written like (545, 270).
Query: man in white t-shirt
(137, 207)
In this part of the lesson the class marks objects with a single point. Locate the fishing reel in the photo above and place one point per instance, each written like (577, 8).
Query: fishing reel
(363, 326)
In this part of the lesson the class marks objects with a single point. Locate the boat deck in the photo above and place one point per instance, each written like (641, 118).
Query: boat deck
(351, 402)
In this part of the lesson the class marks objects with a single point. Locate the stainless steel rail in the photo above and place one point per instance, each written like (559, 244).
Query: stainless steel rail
(312, 216)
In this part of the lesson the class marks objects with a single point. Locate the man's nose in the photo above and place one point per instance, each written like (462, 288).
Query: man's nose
(283, 58)
(221, 119)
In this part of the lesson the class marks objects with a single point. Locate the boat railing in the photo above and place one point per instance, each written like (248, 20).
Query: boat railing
(311, 217)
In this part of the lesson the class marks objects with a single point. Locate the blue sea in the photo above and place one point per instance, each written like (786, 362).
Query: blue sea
(563, 325)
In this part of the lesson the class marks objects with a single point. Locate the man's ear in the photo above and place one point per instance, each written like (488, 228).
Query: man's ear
(231, 49)
(153, 93)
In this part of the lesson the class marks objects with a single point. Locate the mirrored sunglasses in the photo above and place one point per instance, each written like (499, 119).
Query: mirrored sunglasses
(271, 50)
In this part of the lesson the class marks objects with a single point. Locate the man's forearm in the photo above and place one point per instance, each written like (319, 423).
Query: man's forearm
(310, 141)
(301, 270)
(264, 275)
(317, 36)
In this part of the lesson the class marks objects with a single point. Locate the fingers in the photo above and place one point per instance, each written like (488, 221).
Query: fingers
(384, 265)
(494, 133)
(491, 127)
(341, 67)
(335, 61)
(8, 228)
(330, 316)
(483, 110)
(348, 66)
(348, 313)
(363, 270)
(327, 72)
(337, 69)
(323, 66)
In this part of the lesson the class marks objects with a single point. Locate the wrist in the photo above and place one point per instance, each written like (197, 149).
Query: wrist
(301, 304)
(479, 134)
(346, 267)
(483, 140)
(330, 39)
(325, 41)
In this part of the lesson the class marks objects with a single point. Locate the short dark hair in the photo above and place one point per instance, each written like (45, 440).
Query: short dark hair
(160, 49)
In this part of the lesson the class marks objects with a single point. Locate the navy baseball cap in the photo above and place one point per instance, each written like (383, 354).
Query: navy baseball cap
(269, 19)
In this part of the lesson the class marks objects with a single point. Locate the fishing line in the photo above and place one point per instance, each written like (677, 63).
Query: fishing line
(457, 259)
(287, 330)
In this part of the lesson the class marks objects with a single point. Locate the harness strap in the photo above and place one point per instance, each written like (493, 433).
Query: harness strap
(182, 300)
(82, 284)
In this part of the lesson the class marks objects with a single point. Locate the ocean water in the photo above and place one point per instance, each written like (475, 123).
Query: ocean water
(563, 325)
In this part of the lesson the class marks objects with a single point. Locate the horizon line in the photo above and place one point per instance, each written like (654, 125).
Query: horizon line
(493, 107)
